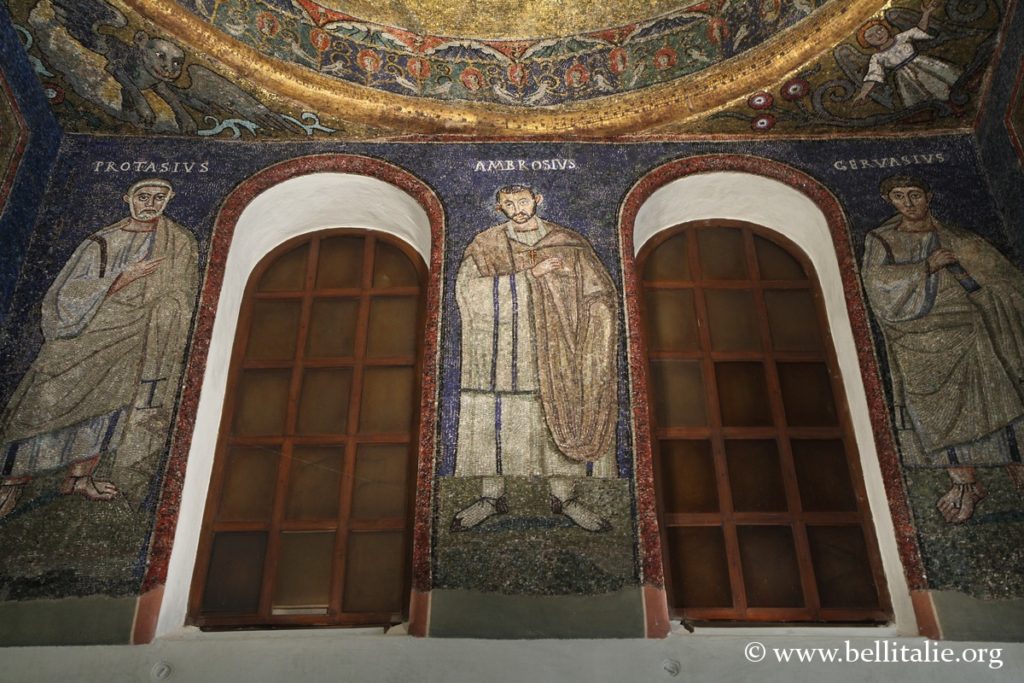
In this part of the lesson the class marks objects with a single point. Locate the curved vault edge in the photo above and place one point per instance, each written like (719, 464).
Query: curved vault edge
(680, 101)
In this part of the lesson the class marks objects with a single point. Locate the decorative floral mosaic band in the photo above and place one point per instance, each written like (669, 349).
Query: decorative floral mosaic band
(610, 80)
(519, 73)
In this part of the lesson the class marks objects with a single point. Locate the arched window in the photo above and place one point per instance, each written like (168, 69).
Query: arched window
(760, 497)
(308, 515)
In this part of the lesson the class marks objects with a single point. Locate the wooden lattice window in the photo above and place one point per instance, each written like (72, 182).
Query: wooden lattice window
(308, 516)
(761, 500)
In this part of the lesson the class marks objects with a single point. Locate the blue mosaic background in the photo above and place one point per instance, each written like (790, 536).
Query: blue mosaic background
(19, 214)
(81, 199)
(85, 195)
(1005, 167)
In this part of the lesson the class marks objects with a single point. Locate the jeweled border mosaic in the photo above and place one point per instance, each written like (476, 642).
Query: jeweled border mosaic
(518, 73)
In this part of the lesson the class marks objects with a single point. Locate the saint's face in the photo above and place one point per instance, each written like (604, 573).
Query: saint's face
(912, 202)
(876, 36)
(147, 202)
(163, 59)
(518, 206)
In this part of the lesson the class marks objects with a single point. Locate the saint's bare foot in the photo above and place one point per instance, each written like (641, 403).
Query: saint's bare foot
(90, 488)
(580, 516)
(957, 506)
(484, 507)
(9, 495)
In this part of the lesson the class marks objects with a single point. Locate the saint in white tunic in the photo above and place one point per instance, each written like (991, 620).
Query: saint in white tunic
(919, 78)
(539, 392)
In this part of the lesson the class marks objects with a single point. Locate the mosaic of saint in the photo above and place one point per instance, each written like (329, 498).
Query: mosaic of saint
(951, 310)
(919, 62)
(539, 394)
(84, 434)
(531, 500)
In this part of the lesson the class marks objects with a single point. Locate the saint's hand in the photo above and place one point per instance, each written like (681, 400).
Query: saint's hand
(863, 93)
(940, 258)
(547, 265)
(134, 272)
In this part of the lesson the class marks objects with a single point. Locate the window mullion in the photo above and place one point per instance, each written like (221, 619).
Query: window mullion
(352, 429)
(287, 447)
(785, 451)
(714, 415)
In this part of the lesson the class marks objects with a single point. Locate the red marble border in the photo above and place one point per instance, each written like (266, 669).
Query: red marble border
(927, 620)
(1015, 135)
(657, 622)
(888, 456)
(419, 609)
(224, 227)
(147, 611)
(7, 174)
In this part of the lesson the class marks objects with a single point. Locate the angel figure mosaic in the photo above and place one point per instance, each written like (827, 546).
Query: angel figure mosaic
(539, 390)
(100, 394)
(918, 78)
(137, 80)
(951, 310)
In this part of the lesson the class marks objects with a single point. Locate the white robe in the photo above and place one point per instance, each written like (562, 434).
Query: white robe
(919, 78)
(502, 426)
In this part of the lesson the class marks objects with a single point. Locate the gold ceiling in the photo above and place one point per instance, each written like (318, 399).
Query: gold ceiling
(505, 19)
(299, 68)
(682, 99)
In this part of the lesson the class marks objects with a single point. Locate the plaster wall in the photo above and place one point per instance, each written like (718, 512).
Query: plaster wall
(324, 656)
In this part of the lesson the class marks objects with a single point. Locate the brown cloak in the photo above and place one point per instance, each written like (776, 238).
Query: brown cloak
(97, 369)
(575, 321)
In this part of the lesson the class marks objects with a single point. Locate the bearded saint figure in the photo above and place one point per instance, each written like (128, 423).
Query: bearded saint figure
(539, 371)
(102, 387)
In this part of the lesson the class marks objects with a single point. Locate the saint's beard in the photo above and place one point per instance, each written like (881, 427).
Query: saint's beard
(521, 217)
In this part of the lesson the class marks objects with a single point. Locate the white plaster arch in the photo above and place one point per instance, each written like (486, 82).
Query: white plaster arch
(293, 207)
(772, 204)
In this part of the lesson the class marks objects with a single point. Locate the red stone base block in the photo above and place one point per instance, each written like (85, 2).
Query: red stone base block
(419, 613)
(924, 610)
(658, 624)
(147, 611)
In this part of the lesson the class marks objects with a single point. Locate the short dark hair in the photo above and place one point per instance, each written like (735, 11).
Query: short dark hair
(511, 189)
(894, 181)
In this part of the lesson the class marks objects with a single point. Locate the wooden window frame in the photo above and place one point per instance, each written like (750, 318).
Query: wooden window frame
(343, 525)
(780, 431)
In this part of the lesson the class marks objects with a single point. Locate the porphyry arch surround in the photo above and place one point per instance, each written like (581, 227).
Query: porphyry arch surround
(281, 202)
(796, 206)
